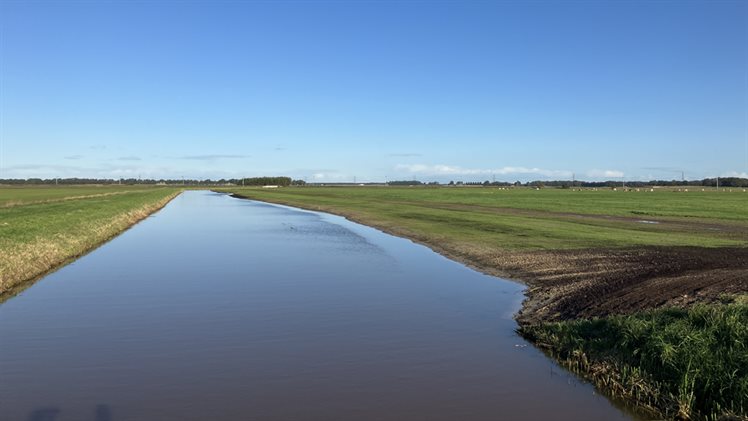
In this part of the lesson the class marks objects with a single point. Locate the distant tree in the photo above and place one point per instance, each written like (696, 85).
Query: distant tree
(537, 184)
(405, 183)
(268, 181)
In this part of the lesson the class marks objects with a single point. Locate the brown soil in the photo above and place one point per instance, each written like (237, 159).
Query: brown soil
(587, 283)
(584, 283)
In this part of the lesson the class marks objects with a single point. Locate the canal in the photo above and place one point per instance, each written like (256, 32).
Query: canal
(224, 309)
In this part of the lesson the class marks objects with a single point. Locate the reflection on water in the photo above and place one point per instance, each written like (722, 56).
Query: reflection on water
(221, 308)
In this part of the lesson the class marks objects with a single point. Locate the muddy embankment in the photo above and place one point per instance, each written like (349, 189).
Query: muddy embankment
(572, 284)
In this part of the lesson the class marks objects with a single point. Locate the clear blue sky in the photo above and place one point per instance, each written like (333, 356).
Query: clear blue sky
(331, 90)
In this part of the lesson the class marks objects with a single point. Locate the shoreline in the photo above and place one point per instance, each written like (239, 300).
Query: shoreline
(560, 283)
(15, 283)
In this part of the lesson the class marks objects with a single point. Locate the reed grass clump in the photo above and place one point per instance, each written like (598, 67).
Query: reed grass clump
(687, 363)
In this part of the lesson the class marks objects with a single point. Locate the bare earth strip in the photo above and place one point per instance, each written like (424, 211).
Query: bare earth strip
(569, 284)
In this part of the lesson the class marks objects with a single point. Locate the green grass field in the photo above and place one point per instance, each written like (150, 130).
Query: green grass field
(21, 195)
(43, 227)
(529, 219)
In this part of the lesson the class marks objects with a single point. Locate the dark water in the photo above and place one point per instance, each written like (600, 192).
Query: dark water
(217, 308)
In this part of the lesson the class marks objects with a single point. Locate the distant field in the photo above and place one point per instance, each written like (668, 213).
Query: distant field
(526, 219)
(43, 227)
(16, 195)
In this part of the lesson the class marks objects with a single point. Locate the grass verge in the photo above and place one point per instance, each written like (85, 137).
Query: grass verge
(681, 363)
(40, 236)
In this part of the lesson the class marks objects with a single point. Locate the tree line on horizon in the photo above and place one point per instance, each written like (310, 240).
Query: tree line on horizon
(283, 181)
(252, 181)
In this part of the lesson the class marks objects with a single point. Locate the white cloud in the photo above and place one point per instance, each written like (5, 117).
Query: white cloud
(735, 174)
(605, 174)
(213, 157)
(68, 171)
(328, 176)
(133, 169)
(441, 169)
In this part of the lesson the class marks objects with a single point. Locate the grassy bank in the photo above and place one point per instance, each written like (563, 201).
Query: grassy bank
(601, 267)
(42, 228)
(685, 363)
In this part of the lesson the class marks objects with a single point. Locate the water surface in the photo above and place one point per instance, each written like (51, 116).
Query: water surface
(218, 308)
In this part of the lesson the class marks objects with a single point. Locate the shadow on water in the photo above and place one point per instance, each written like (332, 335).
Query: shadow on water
(101, 413)
(44, 414)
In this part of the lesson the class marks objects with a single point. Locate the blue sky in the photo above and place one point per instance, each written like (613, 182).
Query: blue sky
(331, 90)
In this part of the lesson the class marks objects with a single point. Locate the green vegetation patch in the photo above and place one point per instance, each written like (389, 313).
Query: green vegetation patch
(23, 195)
(546, 219)
(684, 363)
(710, 204)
